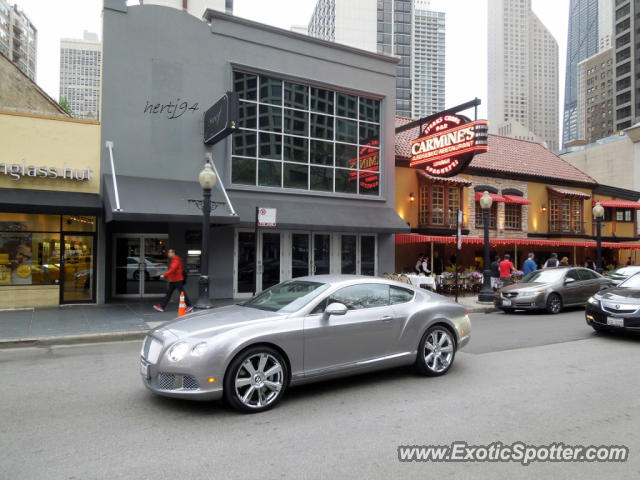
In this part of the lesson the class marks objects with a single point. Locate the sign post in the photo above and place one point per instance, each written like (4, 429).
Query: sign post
(265, 217)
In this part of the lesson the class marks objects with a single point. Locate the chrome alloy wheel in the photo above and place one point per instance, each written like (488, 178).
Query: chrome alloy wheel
(438, 350)
(259, 380)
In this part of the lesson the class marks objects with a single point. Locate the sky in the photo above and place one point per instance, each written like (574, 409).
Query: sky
(466, 36)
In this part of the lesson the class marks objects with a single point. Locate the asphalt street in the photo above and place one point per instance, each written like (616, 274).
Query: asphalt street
(81, 412)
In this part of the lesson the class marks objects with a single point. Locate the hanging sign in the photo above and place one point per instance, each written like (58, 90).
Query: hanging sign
(448, 143)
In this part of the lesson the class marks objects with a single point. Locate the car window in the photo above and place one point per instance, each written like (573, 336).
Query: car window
(357, 297)
(287, 297)
(399, 295)
(587, 274)
(573, 274)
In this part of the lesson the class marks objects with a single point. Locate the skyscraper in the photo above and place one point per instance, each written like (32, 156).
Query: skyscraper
(522, 73)
(18, 38)
(428, 60)
(582, 43)
(627, 63)
(382, 26)
(80, 74)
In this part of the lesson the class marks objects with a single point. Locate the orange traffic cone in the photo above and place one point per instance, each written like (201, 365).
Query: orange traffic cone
(182, 309)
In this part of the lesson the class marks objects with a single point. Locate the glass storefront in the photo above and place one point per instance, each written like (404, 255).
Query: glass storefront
(49, 250)
(139, 262)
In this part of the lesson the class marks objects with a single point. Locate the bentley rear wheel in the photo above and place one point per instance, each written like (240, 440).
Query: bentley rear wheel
(436, 351)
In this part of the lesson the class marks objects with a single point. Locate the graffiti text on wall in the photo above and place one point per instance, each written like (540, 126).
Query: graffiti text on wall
(171, 110)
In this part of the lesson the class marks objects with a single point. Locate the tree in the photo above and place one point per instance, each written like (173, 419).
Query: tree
(65, 105)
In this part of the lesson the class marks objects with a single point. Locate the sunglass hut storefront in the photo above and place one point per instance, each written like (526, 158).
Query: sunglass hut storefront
(49, 210)
(313, 141)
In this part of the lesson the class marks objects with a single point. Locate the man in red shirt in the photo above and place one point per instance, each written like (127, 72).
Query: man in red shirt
(176, 281)
(506, 267)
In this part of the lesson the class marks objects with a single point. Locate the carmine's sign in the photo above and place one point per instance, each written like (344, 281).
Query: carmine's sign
(448, 143)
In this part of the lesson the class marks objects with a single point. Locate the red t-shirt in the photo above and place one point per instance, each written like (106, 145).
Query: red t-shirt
(505, 268)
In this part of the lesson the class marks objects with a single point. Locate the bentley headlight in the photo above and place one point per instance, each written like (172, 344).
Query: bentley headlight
(594, 301)
(178, 351)
(200, 349)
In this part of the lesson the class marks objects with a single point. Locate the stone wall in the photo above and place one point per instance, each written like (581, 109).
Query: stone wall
(498, 183)
(20, 94)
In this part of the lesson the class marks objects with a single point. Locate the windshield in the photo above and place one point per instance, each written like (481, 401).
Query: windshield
(631, 282)
(625, 271)
(287, 297)
(544, 276)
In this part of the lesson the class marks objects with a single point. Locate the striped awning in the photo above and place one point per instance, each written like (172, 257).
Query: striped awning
(618, 204)
(494, 196)
(516, 199)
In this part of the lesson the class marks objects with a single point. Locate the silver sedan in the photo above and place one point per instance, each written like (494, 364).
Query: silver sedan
(303, 330)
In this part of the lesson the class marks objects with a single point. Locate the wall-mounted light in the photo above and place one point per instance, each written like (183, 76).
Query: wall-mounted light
(543, 208)
(412, 197)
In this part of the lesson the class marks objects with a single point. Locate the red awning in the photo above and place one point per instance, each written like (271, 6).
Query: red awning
(516, 199)
(618, 203)
(414, 238)
(494, 196)
(567, 192)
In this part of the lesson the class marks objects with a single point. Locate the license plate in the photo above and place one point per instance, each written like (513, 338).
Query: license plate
(506, 303)
(616, 322)
(144, 370)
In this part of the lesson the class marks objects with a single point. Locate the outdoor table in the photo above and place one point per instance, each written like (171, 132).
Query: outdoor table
(421, 281)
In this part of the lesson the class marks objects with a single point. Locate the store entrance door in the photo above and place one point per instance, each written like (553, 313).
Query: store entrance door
(139, 261)
(78, 281)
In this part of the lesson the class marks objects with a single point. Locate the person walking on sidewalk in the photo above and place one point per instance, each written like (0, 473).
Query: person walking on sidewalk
(175, 277)
(529, 264)
(506, 267)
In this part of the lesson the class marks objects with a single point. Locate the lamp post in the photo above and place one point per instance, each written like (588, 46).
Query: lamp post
(486, 294)
(207, 179)
(598, 214)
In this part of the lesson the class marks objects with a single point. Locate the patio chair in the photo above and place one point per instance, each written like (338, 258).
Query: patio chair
(386, 276)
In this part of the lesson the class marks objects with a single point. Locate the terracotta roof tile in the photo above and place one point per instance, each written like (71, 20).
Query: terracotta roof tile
(506, 154)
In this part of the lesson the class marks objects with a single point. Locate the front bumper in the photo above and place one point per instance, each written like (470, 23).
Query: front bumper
(595, 316)
(535, 302)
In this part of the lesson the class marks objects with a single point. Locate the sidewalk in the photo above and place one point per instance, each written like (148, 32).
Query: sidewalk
(83, 323)
(106, 323)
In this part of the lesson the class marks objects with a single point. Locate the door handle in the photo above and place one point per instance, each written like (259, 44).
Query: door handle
(386, 319)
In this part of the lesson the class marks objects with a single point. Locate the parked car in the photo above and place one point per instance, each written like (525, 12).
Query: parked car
(620, 274)
(152, 270)
(551, 289)
(303, 330)
(616, 309)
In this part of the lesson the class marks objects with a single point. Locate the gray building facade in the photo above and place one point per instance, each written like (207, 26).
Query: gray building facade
(315, 142)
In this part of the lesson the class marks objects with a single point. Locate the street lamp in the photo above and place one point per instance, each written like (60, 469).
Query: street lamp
(486, 294)
(207, 179)
(598, 214)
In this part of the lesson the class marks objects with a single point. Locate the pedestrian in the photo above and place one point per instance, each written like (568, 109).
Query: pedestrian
(425, 265)
(437, 263)
(529, 264)
(552, 261)
(418, 266)
(589, 264)
(175, 276)
(564, 262)
(506, 267)
(495, 272)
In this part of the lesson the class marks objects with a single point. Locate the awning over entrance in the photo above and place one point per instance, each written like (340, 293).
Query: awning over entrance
(320, 214)
(494, 196)
(161, 200)
(516, 199)
(412, 238)
(618, 203)
(442, 180)
(567, 192)
(49, 201)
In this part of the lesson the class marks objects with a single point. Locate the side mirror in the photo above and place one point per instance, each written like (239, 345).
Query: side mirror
(335, 308)
(569, 280)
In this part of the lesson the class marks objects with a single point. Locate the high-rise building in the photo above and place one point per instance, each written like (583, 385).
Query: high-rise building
(522, 73)
(428, 60)
(80, 75)
(194, 7)
(627, 63)
(382, 26)
(582, 43)
(18, 38)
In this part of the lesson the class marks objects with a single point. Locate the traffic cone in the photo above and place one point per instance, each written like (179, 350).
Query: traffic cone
(182, 309)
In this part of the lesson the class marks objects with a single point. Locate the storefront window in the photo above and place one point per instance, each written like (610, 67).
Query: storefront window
(565, 215)
(306, 138)
(493, 216)
(513, 216)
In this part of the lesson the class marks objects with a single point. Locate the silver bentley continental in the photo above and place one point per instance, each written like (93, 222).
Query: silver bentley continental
(303, 330)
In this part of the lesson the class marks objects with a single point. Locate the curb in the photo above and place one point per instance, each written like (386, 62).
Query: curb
(483, 310)
(73, 339)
